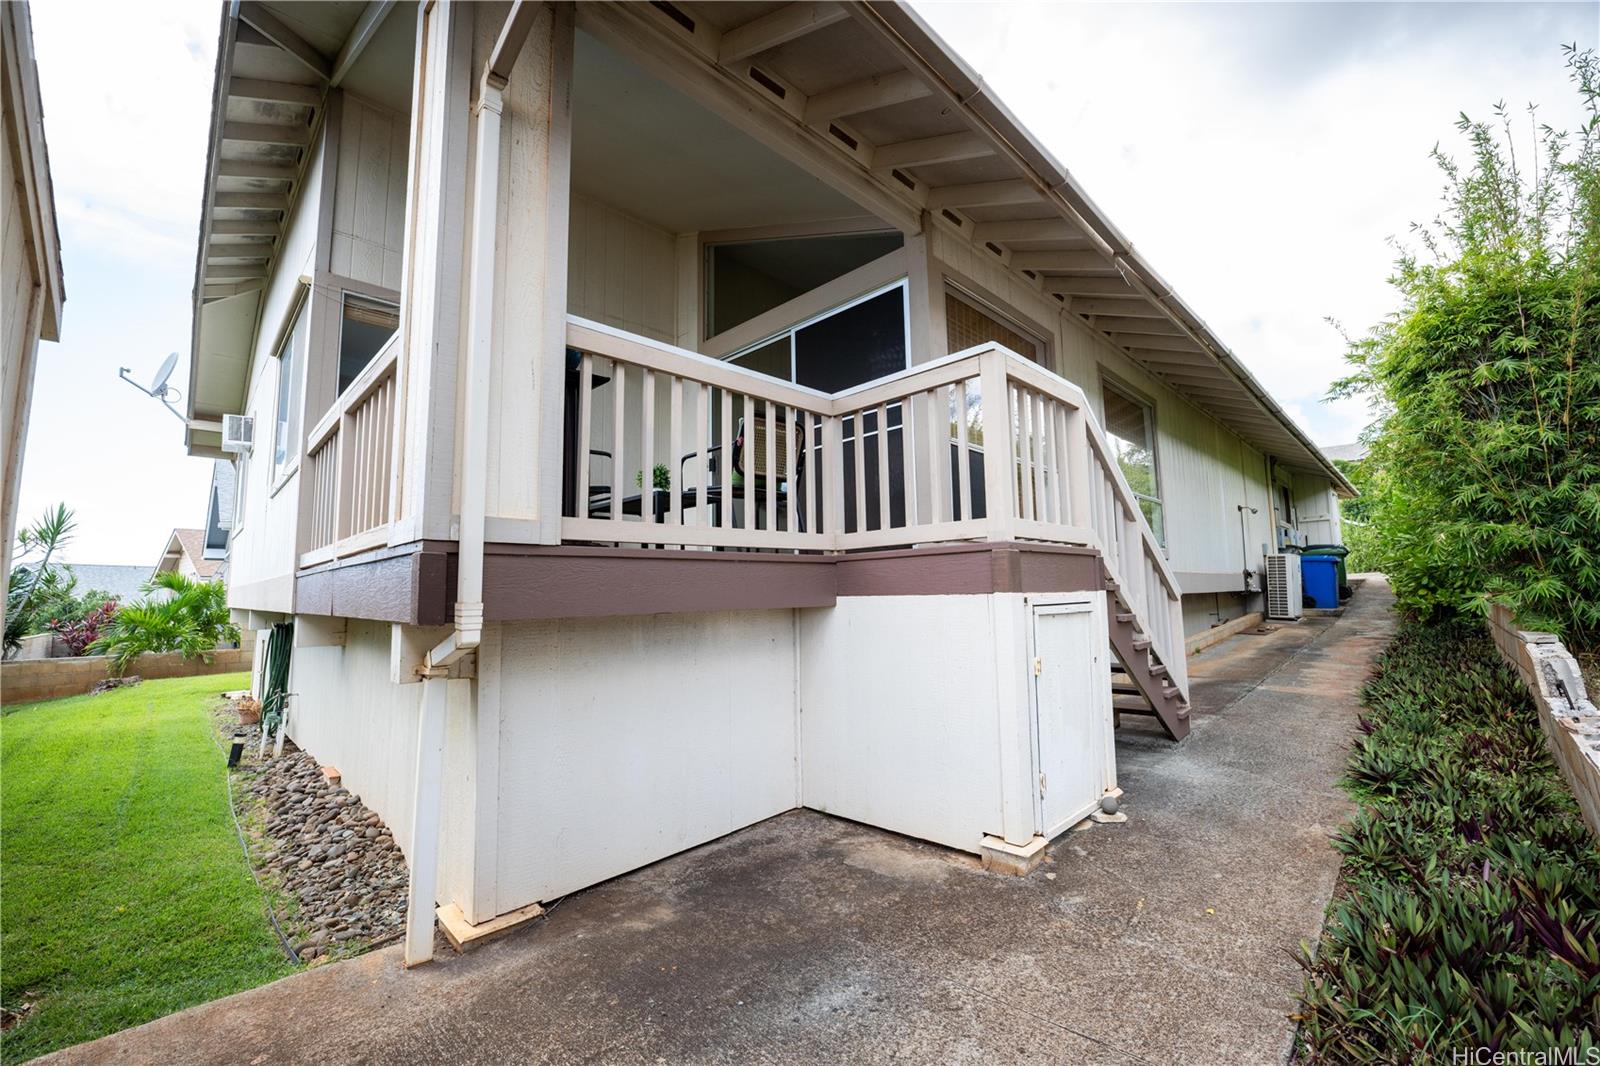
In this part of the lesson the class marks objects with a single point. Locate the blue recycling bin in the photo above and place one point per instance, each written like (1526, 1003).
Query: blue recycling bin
(1319, 576)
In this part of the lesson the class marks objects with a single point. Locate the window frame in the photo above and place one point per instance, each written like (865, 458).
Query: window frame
(299, 313)
(1018, 324)
(346, 294)
(902, 283)
(1111, 383)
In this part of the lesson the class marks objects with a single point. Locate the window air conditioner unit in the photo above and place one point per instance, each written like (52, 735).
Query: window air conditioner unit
(1283, 586)
(238, 433)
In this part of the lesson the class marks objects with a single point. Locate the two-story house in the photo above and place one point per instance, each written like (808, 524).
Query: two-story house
(669, 414)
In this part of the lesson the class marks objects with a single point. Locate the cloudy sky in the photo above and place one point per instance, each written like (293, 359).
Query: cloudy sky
(1260, 155)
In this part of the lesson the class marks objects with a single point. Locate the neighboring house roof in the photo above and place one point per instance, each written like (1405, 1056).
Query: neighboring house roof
(223, 491)
(190, 543)
(124, 583)
(1353, 452)
(219, 515)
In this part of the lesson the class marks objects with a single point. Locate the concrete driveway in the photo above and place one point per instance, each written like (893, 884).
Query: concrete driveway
(809, 939)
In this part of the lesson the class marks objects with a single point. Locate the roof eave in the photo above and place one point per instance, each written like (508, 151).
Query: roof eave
(969, 91)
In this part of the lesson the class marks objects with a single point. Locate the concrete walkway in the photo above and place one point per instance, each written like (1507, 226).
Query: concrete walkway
(808, 939)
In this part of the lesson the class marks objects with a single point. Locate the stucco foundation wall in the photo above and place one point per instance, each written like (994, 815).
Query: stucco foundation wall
(48, 679)
(898, 714)
(1570, 719)
(346, 712)
(625, 740)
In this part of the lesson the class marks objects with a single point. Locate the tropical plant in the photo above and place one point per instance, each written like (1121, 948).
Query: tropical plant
(193, 619)
(1483, 473)
(1470, 916)
(36, 577)
(80, 632)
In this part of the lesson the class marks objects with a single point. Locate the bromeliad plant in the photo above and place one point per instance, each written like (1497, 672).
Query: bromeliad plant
(1483, 475)
(79, 633)
(193, 620)
(1472, 912)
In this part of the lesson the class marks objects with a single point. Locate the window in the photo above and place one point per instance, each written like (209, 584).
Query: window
(366, 327)
(749, 278)
(286, 419)
(847, 346)
(1130, 425)
(966, 326)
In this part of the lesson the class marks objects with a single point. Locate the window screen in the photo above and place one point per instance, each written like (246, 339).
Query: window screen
(853, 346)
(967, 327)
(842, 349)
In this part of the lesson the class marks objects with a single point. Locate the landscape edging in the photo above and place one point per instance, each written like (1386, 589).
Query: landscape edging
(1571, 721)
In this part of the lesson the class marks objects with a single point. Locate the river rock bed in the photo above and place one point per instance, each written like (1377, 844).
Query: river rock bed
(330, 853)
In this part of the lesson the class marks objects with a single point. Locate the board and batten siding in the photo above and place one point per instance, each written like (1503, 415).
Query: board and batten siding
(621, 271)
(1206, 471)
(369, 194)
(1317, 509)
(263, 548)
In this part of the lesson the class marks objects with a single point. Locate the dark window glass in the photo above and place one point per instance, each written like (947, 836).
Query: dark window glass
(855, 345)
(367, 327)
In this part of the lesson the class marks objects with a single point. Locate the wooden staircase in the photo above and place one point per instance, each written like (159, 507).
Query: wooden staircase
(1139, 679)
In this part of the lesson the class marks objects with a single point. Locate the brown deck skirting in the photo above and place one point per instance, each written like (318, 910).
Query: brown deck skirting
(412, 583)
(415, 583)
(977, 568)
(521, 582)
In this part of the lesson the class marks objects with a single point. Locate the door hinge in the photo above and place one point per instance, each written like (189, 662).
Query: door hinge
(1041, 785)
(1038, 667)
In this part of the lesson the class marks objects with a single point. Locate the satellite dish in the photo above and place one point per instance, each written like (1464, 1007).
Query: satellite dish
(159, 385)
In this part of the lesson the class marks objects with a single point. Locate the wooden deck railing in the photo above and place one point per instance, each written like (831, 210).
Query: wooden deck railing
(349, 459)
(982, 444)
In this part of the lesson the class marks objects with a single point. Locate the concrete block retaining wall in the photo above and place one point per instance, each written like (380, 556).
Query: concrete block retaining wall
(45, 679)
(1571, 721)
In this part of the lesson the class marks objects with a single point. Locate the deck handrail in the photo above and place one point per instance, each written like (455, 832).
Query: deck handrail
(1055, 479)
(349, 456)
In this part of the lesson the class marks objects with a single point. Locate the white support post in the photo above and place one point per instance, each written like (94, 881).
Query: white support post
(426, 809)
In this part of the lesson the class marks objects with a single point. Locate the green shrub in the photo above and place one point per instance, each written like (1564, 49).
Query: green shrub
(1471, 916)
(1482, 481)
(193, 619)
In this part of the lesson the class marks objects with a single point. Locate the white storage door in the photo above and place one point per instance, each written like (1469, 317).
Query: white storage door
(1072, 713)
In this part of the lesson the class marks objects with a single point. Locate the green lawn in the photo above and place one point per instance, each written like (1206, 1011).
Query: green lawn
(123, 891)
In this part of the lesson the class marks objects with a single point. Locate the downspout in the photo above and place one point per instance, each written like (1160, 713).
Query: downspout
(468, 630)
